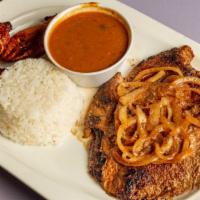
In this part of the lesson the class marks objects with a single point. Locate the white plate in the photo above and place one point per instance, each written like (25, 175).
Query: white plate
(61, 172)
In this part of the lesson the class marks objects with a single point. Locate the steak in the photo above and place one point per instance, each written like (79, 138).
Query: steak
(153, 181)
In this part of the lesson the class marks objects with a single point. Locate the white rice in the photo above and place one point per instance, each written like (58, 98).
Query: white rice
(39, 104)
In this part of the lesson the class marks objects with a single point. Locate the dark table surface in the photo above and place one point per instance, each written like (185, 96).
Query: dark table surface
(181, 15)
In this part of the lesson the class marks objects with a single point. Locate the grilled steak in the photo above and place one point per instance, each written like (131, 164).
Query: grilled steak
(161, 181)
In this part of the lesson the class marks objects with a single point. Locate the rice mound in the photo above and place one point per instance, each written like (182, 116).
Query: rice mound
(39, 104)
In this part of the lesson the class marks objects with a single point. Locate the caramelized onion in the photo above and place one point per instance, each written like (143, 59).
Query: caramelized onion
(127, 87)
(177, 112)
(187, 79)
(197, 91)
(156, 131)
(156, 69)
(157, 76)
(123, 115)
(160, 127)
(132, 96)
(154, 116)
(192, 120)
(161, 154)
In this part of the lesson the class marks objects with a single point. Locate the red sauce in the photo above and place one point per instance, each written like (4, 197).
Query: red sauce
(88, 42)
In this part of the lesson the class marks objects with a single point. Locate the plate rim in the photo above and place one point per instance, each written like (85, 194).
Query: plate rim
(13, 162)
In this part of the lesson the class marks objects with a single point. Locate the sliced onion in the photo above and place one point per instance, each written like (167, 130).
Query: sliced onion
(123, 116)
(156, 77)
(184, 126)
(141, 116)
(197, 91)
(127, 87)
(186, 151)
(192, 120)
(120, 133)
(157, 69)
(175, 131)
(156, 131)
(160, 154)
(138, 145)
(171, 78)
(167, 144)
(167, 124)
(154, 115)
(177, 112)
(161, 122)
(187, 79)
(165, 102)
(132, 96)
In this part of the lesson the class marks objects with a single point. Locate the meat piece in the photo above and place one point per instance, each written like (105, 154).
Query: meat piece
(27, 43)
(5, 28)
(179, 57)
(102, 106)
(148, 182)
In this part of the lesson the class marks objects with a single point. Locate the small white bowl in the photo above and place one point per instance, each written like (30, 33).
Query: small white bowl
(90, 79)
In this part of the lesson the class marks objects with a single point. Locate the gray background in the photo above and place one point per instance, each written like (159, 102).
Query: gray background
(181, 15)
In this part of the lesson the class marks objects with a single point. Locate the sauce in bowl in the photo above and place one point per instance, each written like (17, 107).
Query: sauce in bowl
(88, 41)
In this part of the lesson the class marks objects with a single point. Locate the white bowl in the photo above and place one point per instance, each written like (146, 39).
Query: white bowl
(90, 79)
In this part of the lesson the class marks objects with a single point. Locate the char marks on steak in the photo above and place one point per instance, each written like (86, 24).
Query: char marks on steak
(148, 182)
